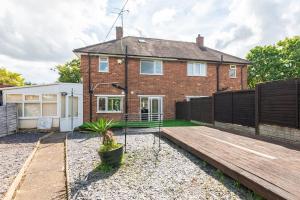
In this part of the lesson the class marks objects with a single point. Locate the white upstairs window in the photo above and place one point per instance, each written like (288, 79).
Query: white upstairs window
(232, 71)
(196, 69)
(103, 64)
(151, 67)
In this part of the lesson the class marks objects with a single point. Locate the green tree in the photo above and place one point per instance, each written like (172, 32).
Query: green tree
(10, 78)
(274, 62)
(69, 72)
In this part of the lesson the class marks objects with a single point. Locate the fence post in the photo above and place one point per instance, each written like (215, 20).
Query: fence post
(297, 103)
(232, 107)
(6, 118)
(213, 108)
(257, 108)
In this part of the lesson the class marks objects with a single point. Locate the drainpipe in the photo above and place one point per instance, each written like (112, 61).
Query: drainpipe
(90, 90)
(242, 86)
(126, 80)
(218, 66)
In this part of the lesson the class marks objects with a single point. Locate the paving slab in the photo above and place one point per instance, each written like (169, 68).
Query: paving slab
(45, 177)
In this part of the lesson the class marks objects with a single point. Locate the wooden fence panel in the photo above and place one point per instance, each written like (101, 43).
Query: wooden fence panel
(244, 108)
(183, 110)
(8, 119)
(201, 109)
(223, 107)
(279, 103)
(235, 107)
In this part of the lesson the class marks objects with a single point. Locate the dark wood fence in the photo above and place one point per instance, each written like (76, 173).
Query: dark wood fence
(201, 109)
(235, 107)
(278, 103)
(273, 103)
(183, 110)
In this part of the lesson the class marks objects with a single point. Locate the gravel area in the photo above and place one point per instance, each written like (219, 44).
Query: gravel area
(14, 150)
(171, 173)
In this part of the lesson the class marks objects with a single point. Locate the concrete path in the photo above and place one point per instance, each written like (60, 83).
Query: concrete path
(45, 177)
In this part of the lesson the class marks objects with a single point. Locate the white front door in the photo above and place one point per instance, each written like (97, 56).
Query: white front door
(151, 108)
(70, 116)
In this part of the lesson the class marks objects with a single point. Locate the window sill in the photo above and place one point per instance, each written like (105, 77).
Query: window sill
(56, 117)
(233, 77)
(197, 75)
(103, 71)
(151, 74)
(109, 112)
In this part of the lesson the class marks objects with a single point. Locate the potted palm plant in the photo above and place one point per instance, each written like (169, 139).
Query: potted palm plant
(110, 151)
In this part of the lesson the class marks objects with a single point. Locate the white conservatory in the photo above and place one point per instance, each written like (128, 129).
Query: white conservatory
(60, 104)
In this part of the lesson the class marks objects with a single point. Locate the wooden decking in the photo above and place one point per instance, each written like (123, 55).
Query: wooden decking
(270, 170)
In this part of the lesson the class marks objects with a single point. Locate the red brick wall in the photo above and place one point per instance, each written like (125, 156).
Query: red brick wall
(175, 85)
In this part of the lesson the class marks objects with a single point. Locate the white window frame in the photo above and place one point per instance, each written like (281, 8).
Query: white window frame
(232, 67)
(40, 102)
(161, 97)
(154, 61)
(106, 103)
(45, 101)
(194, 66)
(99, 68)
(188, 98)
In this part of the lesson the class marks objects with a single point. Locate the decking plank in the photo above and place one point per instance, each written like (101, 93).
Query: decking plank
(268, 169)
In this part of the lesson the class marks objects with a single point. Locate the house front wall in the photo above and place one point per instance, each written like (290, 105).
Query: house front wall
(174, 85)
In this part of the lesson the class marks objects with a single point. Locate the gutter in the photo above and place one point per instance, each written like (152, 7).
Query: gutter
(158, 57)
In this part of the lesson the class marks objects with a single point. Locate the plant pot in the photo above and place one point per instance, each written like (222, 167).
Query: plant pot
(113, 157)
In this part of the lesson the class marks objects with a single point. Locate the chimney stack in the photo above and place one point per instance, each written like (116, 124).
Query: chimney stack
(200, 41)
(119, 32)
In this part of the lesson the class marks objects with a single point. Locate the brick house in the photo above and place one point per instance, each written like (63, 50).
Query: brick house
(160, 72)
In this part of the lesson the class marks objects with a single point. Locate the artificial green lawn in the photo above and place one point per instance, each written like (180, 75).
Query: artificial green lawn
(149, 124)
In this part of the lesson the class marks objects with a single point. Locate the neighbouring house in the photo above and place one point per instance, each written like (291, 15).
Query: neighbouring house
(59, 103)
(160, 72)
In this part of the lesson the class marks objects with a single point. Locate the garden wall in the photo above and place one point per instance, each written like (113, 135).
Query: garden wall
(8, 119)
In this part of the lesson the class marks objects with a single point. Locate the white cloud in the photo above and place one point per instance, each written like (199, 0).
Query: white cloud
(163, 16)
(36, 35)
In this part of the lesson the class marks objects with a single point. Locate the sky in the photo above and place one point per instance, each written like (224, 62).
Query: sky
(35, 35)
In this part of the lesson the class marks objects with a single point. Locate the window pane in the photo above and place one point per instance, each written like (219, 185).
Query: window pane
(63, 106)
(232, 73)
(103, 59)
(49, 109)
(114, 104)
(190, 69)
(197, 67)
(158, 69)
(203, 69)
(101, 104)
(32, 110)
(32, 97)
(73, 109)
(103, 65)
(10, 98)
(20, 109)
(147, 67)
(49, 97)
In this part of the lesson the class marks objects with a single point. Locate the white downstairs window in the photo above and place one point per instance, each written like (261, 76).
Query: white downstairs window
(232, 71)
(109, 104)
(196, 69)
(151, 67)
